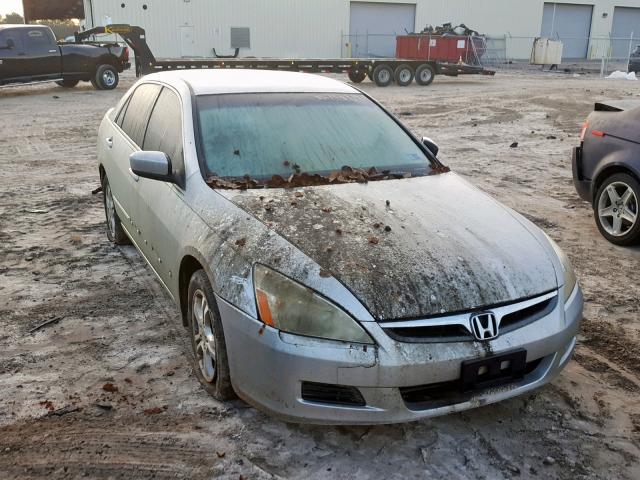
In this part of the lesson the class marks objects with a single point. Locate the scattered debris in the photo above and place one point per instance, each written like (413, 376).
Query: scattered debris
(104, 406)
(96, 190)
(36, 210)
(345, 175)
(49, 322)
(387, 228)
(155, 410)
(241, 242)
(549, 461)
(109, 387)
(514, 145)
(338, 231)
(374, 240)
(221, 454)
(551, 137)
(618, 75)
(76, 239)
(325, 273)
(63, 411)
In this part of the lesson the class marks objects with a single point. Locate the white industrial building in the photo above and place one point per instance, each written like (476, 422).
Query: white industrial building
(340, 28)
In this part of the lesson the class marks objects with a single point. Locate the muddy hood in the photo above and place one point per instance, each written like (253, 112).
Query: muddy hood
(412, 247)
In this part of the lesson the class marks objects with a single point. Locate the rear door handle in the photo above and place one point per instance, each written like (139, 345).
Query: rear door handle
(109, 142)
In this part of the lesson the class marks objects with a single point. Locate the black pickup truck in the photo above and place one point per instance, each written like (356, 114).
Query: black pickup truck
(30, 53)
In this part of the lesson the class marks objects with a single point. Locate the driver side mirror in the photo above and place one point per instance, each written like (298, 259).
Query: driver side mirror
(431, 145)
(10, 45)
(153, 165)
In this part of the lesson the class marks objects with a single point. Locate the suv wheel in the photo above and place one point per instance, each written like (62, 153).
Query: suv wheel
(616, 209)
(207, 338)
(115, 232)
(106, 77)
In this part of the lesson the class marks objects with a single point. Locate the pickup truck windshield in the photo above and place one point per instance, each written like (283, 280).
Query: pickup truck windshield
(257, 136)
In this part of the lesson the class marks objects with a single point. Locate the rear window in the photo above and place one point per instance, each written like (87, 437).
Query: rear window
(258, 136)
(38, 40)
(136, 116)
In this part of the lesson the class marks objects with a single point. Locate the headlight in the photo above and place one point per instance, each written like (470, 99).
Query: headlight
(569, 275)
(292, 307)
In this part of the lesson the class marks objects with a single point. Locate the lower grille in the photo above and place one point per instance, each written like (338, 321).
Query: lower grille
(441, 394)
(332, 394)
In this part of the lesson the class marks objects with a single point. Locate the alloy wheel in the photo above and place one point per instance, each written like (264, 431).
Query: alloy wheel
(203, 335)
(618, 209)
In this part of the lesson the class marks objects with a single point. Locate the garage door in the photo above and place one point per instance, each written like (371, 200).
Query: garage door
(569, 23)
(626, 21)
(373, 26)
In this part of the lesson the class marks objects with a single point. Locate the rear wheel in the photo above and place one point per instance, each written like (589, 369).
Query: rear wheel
(382, 75)
(403, 75)
(115, 232)
(207, 338)
(68, 83)
(425, 74)
(106, 78)
(357, 76)
(616, 209)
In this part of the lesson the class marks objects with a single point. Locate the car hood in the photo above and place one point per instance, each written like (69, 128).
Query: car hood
(411, 247)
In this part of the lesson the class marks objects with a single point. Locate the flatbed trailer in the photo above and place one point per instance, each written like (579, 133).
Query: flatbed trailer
(382, 71)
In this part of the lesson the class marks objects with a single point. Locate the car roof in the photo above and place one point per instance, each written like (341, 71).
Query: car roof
(20, 25)
(221, 81)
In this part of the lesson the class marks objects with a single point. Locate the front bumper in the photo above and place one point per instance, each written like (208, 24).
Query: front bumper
(583, 186)
(268, 367)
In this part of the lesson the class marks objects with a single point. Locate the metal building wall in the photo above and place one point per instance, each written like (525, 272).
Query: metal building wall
(314, 28)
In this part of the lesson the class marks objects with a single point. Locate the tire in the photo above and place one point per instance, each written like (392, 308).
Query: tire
(210, 357)
(382, 75)
(68, 83)
(115, 232)
(616, 209)
(357, 76)
(106, 78)
(403, 75)
(425, 74)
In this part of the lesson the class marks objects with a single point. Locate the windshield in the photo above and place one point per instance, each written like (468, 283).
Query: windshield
(290, 139)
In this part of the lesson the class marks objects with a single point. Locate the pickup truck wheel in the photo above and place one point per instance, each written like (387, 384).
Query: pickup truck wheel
(425, 74)
(616, 209)
(106, 77)
(68, 83)
(115, 232)
(207, 338)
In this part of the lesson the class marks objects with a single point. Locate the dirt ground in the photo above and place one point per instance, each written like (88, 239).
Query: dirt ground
(112, 323)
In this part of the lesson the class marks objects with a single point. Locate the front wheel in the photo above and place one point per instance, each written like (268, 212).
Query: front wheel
(207, 338)
(106, 78)
(68, 83)
(616, 209)
(115, 232)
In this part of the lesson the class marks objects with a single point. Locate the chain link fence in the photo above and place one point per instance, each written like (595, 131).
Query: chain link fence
(601, 55)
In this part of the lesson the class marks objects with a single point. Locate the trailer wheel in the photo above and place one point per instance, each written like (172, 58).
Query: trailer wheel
(357, 76)
(382, 75)
(106, 77)
(68, 83)
(403, 75)
(425, 74)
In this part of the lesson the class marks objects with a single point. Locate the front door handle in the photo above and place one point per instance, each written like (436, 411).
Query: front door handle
(109, 142)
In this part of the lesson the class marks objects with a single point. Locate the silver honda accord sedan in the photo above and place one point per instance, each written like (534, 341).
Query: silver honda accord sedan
(328, 268)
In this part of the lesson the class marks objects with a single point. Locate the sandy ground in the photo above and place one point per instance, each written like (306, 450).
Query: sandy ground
(112, 323)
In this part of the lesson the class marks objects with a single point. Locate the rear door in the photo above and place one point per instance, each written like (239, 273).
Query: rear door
(161, 203)
(41, 52)
(127, 136)
(11, 59)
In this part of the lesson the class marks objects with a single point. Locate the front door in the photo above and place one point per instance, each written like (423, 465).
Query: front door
(43, 60)
(187, 41)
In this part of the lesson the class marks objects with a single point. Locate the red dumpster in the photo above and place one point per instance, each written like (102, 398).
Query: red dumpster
(440, 48)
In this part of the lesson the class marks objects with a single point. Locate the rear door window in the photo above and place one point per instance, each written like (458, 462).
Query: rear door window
(164, 132)
(37, 40)
(14, 35)
(136, 117)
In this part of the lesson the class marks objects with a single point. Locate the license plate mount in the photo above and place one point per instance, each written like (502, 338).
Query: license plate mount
(493, 371)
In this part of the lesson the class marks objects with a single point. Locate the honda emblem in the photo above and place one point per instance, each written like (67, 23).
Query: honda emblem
(484, 325)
